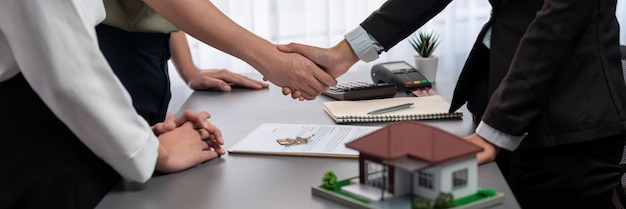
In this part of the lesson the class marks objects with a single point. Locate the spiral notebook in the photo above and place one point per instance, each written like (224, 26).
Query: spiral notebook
(423, 108)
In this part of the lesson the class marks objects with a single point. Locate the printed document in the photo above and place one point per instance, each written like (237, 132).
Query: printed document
(302, 140)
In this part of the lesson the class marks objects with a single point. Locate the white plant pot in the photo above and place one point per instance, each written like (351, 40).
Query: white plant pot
(427, 66)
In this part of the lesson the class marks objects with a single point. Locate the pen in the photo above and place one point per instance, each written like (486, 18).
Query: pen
(389, 109)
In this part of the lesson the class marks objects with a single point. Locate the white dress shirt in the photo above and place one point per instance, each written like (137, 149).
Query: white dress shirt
(54, 45)
(367, 48)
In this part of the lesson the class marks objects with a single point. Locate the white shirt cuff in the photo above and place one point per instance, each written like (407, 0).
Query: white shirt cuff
(487, 38)
(364, 46)
(498, 138)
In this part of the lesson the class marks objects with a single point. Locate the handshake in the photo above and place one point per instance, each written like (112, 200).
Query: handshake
(306, 71)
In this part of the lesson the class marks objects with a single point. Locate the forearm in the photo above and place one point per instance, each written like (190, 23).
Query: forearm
(397, 19)
(193, 16)
(181, 56)
(346, 57)
(201, 19)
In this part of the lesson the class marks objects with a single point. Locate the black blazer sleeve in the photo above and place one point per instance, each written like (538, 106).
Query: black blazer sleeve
(397, 19)
(563, 71)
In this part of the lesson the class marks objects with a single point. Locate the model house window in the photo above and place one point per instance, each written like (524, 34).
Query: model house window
(425, 179)
(459, 178)
(376, 175)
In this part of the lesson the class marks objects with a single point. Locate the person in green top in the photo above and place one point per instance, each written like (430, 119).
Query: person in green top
(138, 38)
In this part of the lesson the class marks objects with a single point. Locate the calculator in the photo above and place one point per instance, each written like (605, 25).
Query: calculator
(361, 90)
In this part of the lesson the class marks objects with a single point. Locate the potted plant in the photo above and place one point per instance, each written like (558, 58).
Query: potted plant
(425, 61)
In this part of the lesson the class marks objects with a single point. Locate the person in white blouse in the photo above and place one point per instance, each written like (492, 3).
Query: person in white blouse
(68, 128)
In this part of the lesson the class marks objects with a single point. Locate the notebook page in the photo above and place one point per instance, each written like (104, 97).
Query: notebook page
(428, 107)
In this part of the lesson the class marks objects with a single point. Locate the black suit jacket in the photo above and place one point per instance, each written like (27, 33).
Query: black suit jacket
(552, 72)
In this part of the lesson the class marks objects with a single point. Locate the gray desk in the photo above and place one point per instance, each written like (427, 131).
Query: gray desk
(237, 181)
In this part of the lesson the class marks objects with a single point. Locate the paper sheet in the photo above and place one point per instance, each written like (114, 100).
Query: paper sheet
(325, 141)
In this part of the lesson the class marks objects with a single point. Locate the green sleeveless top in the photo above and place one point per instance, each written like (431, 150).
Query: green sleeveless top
(135, 16)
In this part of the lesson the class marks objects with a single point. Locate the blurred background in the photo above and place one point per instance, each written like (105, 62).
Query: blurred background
(323, 23)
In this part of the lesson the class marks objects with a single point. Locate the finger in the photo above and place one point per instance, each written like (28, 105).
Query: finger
(191, 116)
(309, 93)
(215, 83)
(223, 86)
(296, 94)
(218, 78)
(320, 81)
(207, 82)
(157, 129)
(205, 145)
(310, 89)
(216, 134)
(263, 85)
(326, 79)
(220, 150)
(286, 48)
(163, 127)
(286, 90)
(250, 83)
(241, 80)
(170, 122)
(289, 48)
(311, 52)
(208, 155)
(204, 134)
(216, 146)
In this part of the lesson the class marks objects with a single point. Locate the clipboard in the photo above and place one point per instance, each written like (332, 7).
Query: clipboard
(323, 140)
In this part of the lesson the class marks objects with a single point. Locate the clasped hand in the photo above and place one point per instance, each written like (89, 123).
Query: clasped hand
(187, 141)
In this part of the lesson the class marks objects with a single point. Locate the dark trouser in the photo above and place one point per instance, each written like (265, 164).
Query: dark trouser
(140, 62)
(42, 163)
(580, 175)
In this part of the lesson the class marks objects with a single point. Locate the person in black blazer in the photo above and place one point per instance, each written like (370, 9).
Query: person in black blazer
(546, 86)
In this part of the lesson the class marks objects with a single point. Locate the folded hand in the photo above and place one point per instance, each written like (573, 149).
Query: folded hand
(185, 147)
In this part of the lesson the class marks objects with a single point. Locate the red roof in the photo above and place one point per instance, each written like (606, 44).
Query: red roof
(415, 140)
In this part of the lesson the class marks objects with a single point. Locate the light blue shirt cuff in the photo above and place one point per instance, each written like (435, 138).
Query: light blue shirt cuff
(364, 46)
(498, 138)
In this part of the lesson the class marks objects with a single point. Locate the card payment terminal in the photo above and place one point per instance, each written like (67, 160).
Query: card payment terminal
(400, 73)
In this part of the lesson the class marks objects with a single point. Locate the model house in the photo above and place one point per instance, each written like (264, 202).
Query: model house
(413, 157)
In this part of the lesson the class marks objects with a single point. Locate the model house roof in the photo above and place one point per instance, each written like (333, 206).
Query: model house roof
(406, 140)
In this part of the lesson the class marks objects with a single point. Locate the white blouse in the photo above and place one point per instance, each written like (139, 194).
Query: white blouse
(54, 45)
